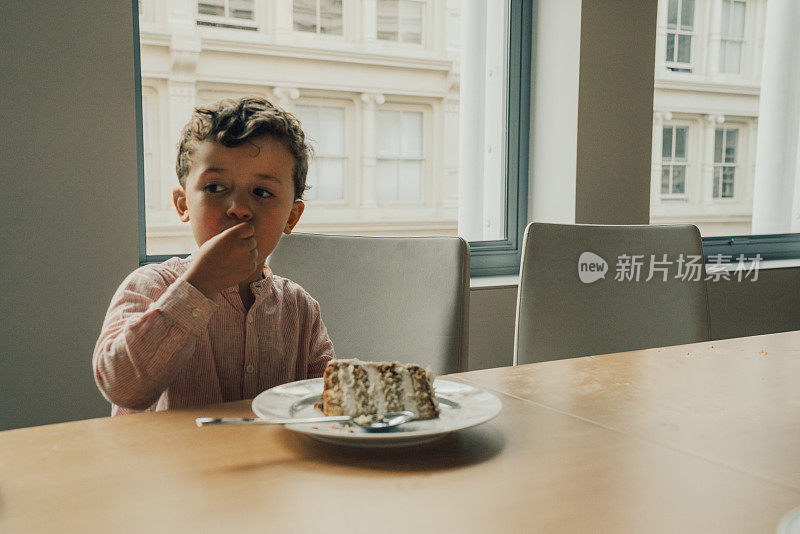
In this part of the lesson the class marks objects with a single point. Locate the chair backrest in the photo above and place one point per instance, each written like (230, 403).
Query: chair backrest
(400, 299)
(563, 312)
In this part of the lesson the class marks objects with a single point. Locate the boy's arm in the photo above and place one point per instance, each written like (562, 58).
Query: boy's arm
(320, 346)
(150, 330)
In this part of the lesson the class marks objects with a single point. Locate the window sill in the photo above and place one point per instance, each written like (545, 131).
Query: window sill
(494, 282)
(512, 281)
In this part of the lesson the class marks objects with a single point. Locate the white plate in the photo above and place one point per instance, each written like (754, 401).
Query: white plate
(460, 406)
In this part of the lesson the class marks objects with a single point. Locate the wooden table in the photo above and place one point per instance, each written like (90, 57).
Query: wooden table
(694, 438)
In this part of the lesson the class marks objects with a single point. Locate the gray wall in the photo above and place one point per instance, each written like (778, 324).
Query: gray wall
(69, 208)
(770, 304)
(615, 112)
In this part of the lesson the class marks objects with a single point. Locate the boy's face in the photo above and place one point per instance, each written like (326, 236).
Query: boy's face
(227, 186)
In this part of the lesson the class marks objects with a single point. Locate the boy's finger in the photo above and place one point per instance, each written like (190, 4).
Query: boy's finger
(244, 230)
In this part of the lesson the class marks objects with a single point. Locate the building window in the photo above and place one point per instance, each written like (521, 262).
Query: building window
(325, 126)
(318, 16)
(237, 14)
(673, 162)
(732, 41)
(400, 20)
(400, 159)
(725, 152)
(680, 31)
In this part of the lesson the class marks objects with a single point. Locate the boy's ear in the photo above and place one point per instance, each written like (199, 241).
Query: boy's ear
(179, 203)
(294, 216)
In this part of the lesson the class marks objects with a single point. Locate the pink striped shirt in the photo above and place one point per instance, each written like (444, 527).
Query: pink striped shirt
(165, 345)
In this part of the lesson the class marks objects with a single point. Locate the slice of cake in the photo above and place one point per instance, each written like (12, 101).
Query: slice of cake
(354, 388)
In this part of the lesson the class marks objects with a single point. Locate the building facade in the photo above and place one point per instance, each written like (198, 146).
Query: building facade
(705, 113)
(374, 82)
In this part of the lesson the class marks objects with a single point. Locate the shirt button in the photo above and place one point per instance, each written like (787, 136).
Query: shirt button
(250, 319)
(196, 312)
(250, 368)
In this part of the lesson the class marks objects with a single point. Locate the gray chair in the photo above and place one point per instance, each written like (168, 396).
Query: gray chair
(561, 315)
(400, 299)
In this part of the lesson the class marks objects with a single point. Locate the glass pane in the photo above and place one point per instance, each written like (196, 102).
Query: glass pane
(241, 9)
(411, 144)
(666, 146)
(672, 14)
(680, 143)
(332, 131)
(665, 187)
(717, 180)
(678, 179)
(727, 182)
(386, 180)
(670, 47)
(737, 28)
(331, 179)
(311, 180)
(733, 57)
(726, 19)
(684, 49)
(687, 15)
(211, 7)
(411, 22)
(731, 139)
(388, 20)
(409, 182)
(718, 145)
(330, 17)
(304, 13)
(388, 133)
(308, 119)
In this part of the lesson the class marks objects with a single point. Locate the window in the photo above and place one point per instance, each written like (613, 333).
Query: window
(680, 31)
(673, 162)
(741, 144)
(387, 123)
(237, 14)
(318, 16)
(725, 147)
(733, 17)
(325, 126)
(400, 20)
(400, 158)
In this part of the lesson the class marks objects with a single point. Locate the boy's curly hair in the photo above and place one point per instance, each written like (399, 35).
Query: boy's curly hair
(232, 122)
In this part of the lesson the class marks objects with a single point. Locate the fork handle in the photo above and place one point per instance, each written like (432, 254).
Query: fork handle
(204, 421)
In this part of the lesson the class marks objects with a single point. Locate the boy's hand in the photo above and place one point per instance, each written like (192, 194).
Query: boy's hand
(224, 260)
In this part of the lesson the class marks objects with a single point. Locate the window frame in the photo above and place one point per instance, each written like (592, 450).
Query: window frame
(424, 158)
(722, 165)
(726, 39)
(317, 33)
(672, 163)
(672, 64)
(225, 21)
(345, 157)
(424, 8)
(502, 256)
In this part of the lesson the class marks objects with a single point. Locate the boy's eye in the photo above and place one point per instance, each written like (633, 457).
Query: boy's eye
(263, 193)
(213, 188)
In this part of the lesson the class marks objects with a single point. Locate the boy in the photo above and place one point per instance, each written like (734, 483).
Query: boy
(218, 326)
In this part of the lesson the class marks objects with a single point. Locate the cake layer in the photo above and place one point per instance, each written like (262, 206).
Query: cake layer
(353, 387)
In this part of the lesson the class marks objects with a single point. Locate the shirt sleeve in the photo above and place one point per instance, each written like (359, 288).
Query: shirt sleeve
(320, 350)
(150, 330)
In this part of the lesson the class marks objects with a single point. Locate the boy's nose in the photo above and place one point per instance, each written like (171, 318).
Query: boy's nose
(239, 210)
